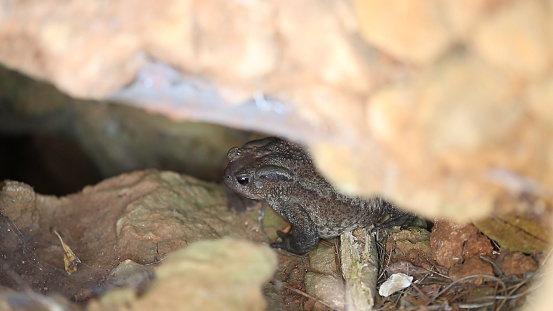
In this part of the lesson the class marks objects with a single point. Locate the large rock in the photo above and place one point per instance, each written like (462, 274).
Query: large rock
(140, 217)
(441, 106)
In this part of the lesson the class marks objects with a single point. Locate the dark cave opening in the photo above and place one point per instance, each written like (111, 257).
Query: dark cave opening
(50, 164)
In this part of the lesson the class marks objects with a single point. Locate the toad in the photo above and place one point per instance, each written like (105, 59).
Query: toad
(283, 174)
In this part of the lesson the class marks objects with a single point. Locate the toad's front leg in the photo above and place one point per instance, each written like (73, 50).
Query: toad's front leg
(304, 235)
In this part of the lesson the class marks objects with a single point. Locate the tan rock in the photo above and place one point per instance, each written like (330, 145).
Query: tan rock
(462, 16)
(456, 102)
(332, 104)
(323, 260)
(75, 53)
(517, 38)
(248, 25)
(318, 43)
(325, 287)
(431, 126)
(169, 25)
(225, 274)
(412, 31)
(540, 100)
(438, 106)
(212, 275)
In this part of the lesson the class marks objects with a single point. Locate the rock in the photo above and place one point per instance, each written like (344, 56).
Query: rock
(211, 275)
(434, 117)
(528, 42)
(472, 266)
(520, 227)
(139, 216)
(323, 260)
(463, 16)
(382, 23)
(18, 203)
(517, 263)
(395, 283)
(411, 245)
(326, 28)
(131, 275)
(325, 287)
(254, 53)
(538, 94)
(452, 243)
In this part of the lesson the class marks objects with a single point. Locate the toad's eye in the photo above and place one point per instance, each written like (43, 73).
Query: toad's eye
(243, 180)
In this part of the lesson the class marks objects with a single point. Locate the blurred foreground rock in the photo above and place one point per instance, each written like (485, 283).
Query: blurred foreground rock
(209, 275)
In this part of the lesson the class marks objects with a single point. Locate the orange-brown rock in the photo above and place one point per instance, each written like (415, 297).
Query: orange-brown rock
(474, 266)
(518, 263)
(452, 243)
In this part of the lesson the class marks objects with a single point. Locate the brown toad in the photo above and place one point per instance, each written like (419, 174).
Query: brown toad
(283, 174)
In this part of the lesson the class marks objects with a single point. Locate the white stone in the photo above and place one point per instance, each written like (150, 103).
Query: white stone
(395, 283)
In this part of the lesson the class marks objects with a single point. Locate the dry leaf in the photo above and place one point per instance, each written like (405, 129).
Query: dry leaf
(69, 258)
